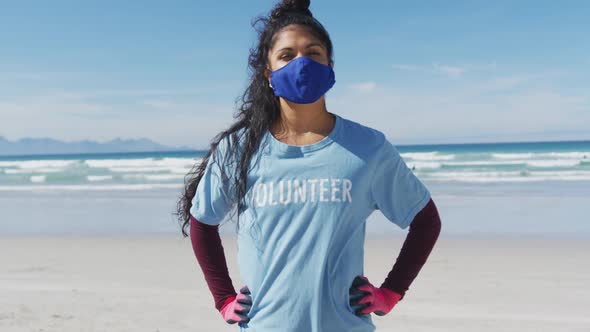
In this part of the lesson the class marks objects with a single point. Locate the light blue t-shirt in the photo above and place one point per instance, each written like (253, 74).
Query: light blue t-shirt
(301, 236)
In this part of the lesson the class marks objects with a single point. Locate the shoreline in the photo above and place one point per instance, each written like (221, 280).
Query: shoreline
(483, 236)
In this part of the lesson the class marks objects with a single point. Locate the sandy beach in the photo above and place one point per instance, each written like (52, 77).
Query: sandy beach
(153, 283)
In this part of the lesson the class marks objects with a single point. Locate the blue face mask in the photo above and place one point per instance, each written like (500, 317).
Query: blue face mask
(302, 80)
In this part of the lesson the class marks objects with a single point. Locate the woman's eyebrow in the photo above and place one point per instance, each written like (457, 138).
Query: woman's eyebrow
(308, 46)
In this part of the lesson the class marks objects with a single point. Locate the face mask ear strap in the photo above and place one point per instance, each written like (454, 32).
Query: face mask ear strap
(268, 80)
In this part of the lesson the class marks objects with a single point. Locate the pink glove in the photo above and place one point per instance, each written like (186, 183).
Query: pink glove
(236, 308)
(366, 298)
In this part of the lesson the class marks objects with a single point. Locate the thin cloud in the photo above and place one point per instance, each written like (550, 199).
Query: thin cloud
(161, 104)
(405, 67)
(447, 69)
(452, 71)
(27, 76)
(364, 86)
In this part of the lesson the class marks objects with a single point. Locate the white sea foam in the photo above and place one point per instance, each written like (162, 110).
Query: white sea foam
(484, 163)
(164, 177)
(90, 187)
(509, 176)
(579, 155)
(138, 169)
(553, 163)
(567, 155)
(32, 164)
(513, 155)
(32, 170)
(427, 156)
(141, 163)
(421, 165)
(146, 165)
(153, 177)
(532, 163)
(98, 178)
(38, 178)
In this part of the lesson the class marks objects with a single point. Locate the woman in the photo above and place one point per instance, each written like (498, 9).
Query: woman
(303, 180)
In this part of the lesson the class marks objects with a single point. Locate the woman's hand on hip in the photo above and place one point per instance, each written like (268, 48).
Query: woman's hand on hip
(366, 298)
(236, 308)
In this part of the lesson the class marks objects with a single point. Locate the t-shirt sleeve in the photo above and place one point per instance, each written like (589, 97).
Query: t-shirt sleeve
(396, 191)
(212, 202)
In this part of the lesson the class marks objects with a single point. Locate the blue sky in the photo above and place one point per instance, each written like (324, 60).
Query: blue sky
(422, 71)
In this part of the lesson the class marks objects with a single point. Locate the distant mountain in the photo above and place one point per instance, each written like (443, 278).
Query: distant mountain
(37, 146)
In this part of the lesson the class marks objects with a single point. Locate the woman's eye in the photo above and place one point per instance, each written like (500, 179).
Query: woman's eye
(287, 56)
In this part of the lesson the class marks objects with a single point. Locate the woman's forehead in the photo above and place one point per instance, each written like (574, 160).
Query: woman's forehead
(293, 35)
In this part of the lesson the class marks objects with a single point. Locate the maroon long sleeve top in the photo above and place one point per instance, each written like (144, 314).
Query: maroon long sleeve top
(422, 236)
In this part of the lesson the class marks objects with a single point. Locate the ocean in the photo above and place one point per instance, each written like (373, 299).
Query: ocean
(505, 189)
(446, 163)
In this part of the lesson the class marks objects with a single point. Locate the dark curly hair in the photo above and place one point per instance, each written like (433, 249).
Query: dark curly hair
(258, 109)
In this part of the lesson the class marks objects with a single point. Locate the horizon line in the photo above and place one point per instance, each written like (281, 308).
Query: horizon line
(199, 150)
